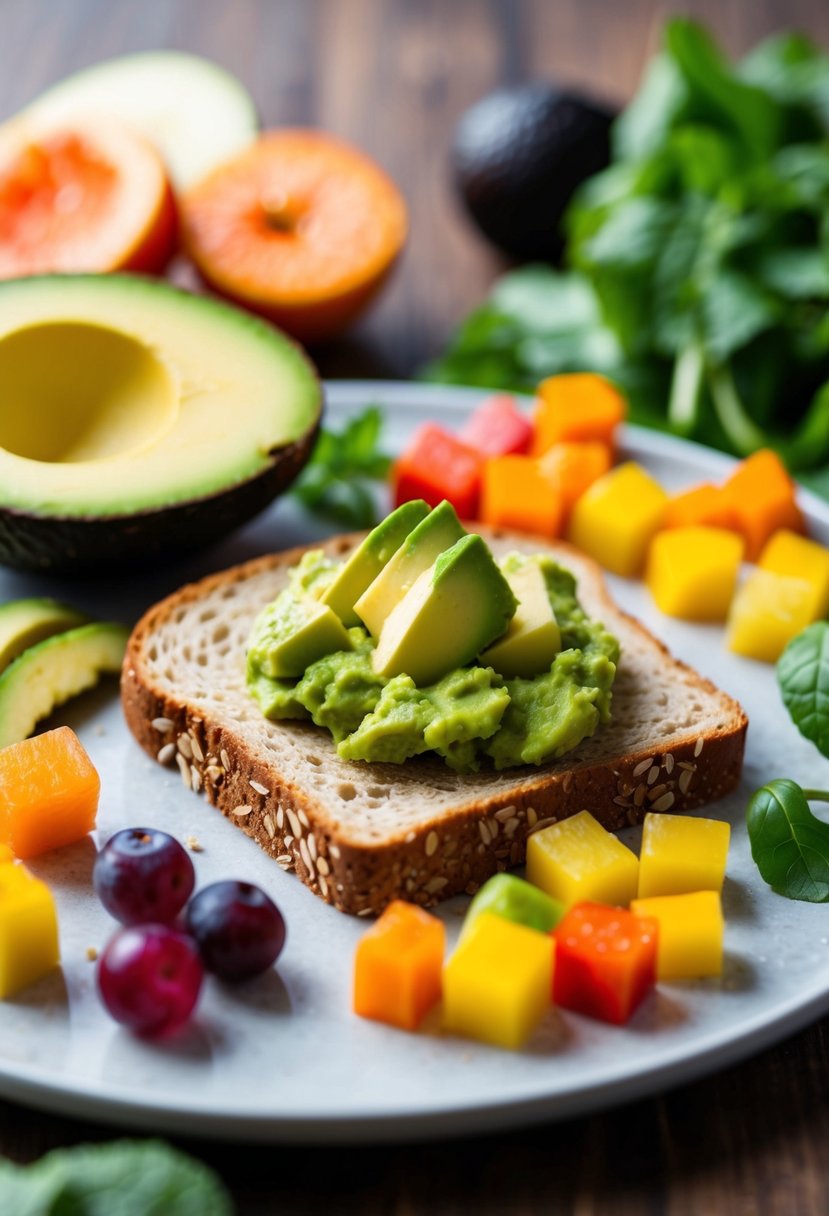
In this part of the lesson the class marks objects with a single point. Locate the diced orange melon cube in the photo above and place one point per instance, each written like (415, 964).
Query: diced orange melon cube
(766, 613)
(397, 967)
(49, 792)
(762, 497)
(580, 406)
(796, 557)
(28, 929)
(6, 855)
(516, 494)
(706, 505)
(615, 520)
(692, 572)
(572, 467)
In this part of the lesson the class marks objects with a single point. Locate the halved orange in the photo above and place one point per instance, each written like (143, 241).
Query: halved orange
(89, 197)
(300, 227)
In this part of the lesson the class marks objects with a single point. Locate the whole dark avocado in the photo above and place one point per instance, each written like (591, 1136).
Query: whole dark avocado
(518, 156)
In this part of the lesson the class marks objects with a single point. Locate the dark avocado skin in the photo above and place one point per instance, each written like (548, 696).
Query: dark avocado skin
(518, 156)
(77, 545)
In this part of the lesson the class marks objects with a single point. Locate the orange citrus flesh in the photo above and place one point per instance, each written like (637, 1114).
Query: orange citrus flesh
(91, 198)
(300, 226)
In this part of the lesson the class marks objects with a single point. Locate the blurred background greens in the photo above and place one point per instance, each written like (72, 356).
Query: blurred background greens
(695, 266)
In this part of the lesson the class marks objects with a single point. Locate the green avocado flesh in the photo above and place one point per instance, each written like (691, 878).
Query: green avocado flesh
(52, 671)
(25, 622)
(469, 716)
(121, 395)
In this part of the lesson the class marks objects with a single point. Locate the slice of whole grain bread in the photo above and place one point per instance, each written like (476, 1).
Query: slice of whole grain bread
(362, 834)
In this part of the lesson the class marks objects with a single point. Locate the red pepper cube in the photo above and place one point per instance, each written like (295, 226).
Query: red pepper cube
(435, 466)
(497, 428)
(605, 961)
(398, 965)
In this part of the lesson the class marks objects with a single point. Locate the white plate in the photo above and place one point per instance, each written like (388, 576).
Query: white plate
(283, 1059)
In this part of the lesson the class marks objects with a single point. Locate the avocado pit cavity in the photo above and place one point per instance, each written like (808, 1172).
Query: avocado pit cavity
(74, 392)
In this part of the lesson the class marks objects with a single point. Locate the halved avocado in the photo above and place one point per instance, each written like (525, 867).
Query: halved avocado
(136, 419)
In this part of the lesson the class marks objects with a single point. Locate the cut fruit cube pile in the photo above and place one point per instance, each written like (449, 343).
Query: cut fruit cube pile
(564, 937)
(509, 471)
(554, 475)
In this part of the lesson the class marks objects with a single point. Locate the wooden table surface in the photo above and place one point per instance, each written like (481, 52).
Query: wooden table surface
(393, 77)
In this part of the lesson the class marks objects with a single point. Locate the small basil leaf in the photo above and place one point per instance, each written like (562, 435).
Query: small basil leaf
(334, 482)
(803, 675)
(790, 846)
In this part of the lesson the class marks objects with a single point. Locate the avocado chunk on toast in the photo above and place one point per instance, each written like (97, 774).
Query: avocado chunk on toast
(361, 835)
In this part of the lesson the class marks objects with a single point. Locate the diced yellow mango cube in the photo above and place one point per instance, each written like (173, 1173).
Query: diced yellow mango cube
(28, 929)
(690, 933)
(796, 557)
(577, 860)
(681, 854)
(766, 613)
(498, 983)
(615, 519)
(692, 572)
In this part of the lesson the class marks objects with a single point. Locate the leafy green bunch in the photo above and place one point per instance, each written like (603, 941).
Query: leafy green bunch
(699, 260)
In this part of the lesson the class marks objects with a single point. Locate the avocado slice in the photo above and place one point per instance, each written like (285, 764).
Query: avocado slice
(437, 532)
(52, 671)
(139, 419)
(455, 608)
(370, 557)
(25, 622)
(533, 638)
(293, 632)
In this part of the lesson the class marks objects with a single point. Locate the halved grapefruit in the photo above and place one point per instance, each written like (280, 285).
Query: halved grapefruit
(89, 196)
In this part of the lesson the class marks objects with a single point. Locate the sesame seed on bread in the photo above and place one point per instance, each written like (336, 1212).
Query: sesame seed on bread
(360, 835)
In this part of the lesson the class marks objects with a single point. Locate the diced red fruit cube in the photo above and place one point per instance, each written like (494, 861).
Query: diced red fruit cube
(605, 961)
(497, 428)
(435, 466)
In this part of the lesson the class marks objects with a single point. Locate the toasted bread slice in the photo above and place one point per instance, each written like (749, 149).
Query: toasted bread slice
(362, 834)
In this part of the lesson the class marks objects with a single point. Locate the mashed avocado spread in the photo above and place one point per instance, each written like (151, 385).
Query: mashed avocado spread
(472, 715)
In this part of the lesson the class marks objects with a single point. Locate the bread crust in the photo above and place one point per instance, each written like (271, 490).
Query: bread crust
(445, 855)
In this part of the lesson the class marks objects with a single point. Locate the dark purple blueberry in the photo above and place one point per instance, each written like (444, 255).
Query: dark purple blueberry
(238, 929)
(142, 875)
(149, 978)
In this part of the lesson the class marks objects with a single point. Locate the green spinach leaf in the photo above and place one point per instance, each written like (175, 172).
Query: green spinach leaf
(790, 846)
(803, 675)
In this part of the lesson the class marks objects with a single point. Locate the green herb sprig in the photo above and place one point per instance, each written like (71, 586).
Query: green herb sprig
(337, 481)
(789, 844)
